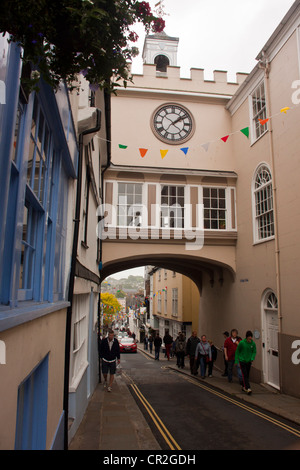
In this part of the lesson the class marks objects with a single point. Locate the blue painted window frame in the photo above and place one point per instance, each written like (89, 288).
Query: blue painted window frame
(32, 407)
(45, 237)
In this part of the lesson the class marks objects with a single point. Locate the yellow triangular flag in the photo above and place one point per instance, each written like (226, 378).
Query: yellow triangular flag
(284, 110)
(163, 153)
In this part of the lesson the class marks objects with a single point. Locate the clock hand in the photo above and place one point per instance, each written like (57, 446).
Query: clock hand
(177, 120)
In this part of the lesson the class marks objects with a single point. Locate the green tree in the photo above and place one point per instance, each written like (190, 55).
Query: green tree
(120, 294)
(61, 38)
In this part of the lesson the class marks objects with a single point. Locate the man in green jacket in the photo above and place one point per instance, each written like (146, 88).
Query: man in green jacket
(244, 355)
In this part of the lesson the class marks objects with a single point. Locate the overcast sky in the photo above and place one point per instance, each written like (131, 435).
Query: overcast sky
(216, 35)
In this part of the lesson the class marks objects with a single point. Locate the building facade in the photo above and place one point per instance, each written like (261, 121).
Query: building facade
(174, 303)
(92, 121)
(54, 147)
(222, 158)
(267, 255)
(39, 156)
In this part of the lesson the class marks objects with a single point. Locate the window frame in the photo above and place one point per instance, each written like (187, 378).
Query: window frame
(166, 302)
(169, 207)
(217, 209)
(138, 206)
(151, 217)
(42, 209)
(257, 130)
(175, 302)
(267, 186)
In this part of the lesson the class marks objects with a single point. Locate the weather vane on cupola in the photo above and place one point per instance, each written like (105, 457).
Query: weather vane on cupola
(159, 9)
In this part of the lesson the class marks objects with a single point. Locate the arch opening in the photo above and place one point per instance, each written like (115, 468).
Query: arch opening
(161, 61)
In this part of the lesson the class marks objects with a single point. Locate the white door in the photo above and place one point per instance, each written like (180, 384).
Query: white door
(271, 345)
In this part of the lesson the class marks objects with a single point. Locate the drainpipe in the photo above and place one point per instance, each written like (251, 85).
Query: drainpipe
(72, 274)
(107, 101)
(265, 64)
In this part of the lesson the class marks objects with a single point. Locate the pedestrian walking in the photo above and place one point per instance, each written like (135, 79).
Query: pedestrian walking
(157, 346)
(168, 340)
(151, 339)
(245, 354)
(225, 374)
(238, 368)
(214, 354)
(146, 340)
(190, 351)
(203, 354)
(180, 349)
(230, 346)
(173, 348)
(109, 352)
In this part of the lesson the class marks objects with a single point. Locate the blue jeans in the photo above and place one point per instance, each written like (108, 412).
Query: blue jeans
(202, 365)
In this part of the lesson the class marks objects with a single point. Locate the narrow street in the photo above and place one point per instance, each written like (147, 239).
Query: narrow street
(185, 413)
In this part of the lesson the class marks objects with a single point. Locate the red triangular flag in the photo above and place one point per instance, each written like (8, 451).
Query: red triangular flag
(225, 138)
(263, 121)
(143, 152)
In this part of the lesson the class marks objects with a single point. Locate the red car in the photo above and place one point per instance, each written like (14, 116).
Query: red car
(127, 345)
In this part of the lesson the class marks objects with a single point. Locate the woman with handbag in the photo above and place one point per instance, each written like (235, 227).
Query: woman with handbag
(203, 354)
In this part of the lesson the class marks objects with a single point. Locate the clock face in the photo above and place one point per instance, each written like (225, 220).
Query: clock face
(172, 123)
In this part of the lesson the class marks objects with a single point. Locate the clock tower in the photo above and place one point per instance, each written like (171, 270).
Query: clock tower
(161, 50)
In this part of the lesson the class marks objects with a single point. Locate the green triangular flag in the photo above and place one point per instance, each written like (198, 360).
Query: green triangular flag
(245, 131)
(122, 146)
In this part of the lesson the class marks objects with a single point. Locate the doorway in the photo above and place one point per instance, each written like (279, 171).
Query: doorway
(271, 352)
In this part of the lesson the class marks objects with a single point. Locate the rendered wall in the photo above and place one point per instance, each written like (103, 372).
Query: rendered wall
(26, 346)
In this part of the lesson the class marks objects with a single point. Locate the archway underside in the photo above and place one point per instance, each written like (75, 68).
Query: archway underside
(190, 266)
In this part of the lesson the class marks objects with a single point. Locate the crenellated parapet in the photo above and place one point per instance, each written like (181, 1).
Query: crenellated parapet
(196, 83)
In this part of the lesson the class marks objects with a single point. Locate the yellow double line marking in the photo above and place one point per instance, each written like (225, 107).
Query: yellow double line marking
(286, 427)
(156, 420)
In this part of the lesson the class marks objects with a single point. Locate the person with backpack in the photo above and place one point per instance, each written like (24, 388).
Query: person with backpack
(180, 349)
(190, 351)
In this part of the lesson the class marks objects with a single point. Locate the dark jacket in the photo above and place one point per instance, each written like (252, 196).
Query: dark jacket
(191, 345)
(109, 354)
(157, 341)
(168, 339)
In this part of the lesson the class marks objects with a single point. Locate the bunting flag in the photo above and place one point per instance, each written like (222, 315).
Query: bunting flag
(245, 131)
(143, 152)
(185, 150)
(206, 145)
(284, 110)
(263, 121)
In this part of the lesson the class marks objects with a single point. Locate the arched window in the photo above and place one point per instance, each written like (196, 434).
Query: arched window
(271, 302)
(161, 62)
(263, 204)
